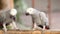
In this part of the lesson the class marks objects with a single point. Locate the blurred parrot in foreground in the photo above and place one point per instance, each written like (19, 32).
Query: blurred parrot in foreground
(8, 19)
(39, 18)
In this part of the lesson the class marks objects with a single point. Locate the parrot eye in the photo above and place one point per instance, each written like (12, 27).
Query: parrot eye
(30, 10)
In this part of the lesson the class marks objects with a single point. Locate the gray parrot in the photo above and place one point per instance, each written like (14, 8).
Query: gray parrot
(7, 20)
(40, 19)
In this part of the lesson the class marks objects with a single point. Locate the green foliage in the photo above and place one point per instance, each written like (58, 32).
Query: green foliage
(20, 5)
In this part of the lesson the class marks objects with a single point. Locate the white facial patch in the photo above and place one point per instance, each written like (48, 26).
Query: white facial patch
(30, 10)
(13, 12)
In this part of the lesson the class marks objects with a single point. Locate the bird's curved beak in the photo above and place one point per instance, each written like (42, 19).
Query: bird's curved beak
(27, 14)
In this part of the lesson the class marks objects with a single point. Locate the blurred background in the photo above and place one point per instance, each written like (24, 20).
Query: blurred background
(50, 7)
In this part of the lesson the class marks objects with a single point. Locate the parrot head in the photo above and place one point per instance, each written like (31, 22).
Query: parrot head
(29, 11)
(13, 13)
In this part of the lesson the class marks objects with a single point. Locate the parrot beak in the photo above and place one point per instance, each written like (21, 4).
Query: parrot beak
(27, 14)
